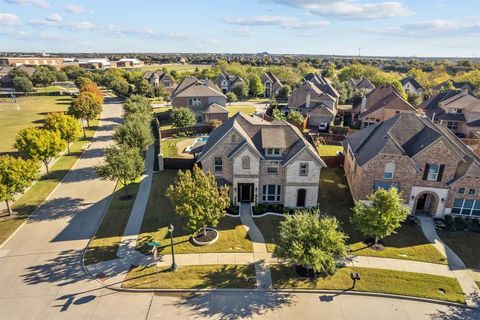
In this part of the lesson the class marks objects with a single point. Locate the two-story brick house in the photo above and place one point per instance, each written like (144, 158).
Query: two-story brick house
(263, 162)
(226, 82)
(436, 173)
(160, 78)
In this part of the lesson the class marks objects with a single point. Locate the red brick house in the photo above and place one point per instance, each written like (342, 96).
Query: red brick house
(435, 171)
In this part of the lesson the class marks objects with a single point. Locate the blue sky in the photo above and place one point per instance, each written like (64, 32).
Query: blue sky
(376, 27)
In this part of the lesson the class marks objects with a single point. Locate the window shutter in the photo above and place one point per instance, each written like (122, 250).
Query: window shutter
(440, 172)
(425, 173)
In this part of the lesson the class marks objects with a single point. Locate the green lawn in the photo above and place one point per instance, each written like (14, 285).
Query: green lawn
(191, 277)
(176, 66)
(160, 213)
(407, 243)
(105, 243)
(234, 109)
(32, 198)
(326, 150)
(50, 89)
(32, 112)
(465, 244)
(169, 147)
(375, 280)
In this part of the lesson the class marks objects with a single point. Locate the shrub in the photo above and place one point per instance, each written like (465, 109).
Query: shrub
(339, 130)
(459, 223)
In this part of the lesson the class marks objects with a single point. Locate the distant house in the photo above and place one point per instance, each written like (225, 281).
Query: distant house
(362, 83)
(160, 78)
(226, 82)
(6, 81)
(202, 97)
(95, 64)
(411, 86)
(379, 105)
(435, 172)
(469, 87)
(263, 162)
(271, 85)
(458, 110)
(128, 63)
(323, 84)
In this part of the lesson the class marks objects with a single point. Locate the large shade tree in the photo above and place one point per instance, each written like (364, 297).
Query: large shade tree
(183, 117)
(196, 196)
(86, 106)
(135, 133)
(66, 126)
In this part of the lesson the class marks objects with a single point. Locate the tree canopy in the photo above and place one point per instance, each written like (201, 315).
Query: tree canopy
(183, 117)
(135, 132)
(85, 106)
(66, 126)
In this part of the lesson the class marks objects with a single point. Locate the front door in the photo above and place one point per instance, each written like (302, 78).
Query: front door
(423, 202)
(245, 192)
(301, 194)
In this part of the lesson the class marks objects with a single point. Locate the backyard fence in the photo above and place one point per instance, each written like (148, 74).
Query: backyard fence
(167, 133)
(177, 163)
(334, 161)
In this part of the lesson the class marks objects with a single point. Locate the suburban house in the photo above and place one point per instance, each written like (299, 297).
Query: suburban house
(379, 105)
(202, 97)
(458, 110)
(263, 162)
(319, 106)
(226, 82)
(433, 169)
(271, 85)
(160, 78)
(362, 83)
(411, 86)
(323, 84)
(463, 85)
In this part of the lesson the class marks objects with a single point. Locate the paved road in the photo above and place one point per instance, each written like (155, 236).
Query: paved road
(41, 275)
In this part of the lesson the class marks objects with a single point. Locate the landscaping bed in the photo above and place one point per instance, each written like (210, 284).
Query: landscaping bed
(374, 280)
(192, 277)
(263, 208)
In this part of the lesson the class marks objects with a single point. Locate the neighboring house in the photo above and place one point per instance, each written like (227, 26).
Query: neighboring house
(379, 105)
(411, 86)
(160, 78)
(271, 85)
(435, 172)
(6, 81)
(469, 87)
(263, 162)
(362, 83)
(457, 109)
(311, 101)
(226, 82)
(323, 84)
(202, 97)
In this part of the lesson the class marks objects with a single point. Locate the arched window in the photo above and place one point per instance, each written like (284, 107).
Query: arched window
(246, 162)
(389, 171)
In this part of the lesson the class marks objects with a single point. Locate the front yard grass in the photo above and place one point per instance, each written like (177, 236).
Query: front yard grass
(105, 243)
(375, 280)
(234, 109)
(160, 213)
(465, 244)
(326, 150)
(191, 277)
(269, 226)
(32, 198)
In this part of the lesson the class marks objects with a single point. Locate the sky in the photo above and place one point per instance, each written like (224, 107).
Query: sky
(439, 28)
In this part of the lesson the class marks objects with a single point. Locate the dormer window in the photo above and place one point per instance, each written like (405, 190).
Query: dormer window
(389, 171)
(455, 110)
(274, 152)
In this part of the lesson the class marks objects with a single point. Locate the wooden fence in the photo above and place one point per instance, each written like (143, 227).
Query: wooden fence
(334, 161)
(178, 163)
(166, 133)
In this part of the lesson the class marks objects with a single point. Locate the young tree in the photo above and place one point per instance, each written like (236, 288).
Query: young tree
(85, 106)
(277, 114)
(183, 117)
(382, 216)
(39, 144)
(137, 104)
(414, 99)
(22, 84)
(122, 163)
(295, 118)
(43, 76)
(285, 92)
(196, 196)
(255, 85)
(134, 133)
(240, 90)
(312, 242)
(66, 126)
(142, 87)
(231, 97)
(93, 88)
(16, 175)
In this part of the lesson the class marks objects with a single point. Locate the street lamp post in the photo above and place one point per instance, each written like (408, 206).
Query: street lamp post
(170, 229)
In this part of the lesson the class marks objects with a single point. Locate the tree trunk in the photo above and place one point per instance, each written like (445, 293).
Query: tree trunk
(125, 191)
(83, 127)
(376, 240)
(7, 202)
(88, 123)
(46, 167)
(204, 230)
(68, 148)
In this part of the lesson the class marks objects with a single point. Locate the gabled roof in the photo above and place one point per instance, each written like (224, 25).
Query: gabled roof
(299, 96)
(362, 83)
(270, 76)
(440, 104)
(214, 108)
(192, 87)
(457, 85)
(412, 80)
(323, 84)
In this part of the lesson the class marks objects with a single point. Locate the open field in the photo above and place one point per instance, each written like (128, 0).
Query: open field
(32, 112)
(160, 213)
(375, 280)
(175, 66)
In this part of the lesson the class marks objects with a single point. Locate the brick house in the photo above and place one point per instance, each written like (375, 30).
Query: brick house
(379, 105)
(202, 97)
(160, 78)
(263, 162)
(436, 173)
(226, 82)
(361, 83)
(457, 109)
(271, 85)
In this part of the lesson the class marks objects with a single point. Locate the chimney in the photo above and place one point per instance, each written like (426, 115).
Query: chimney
(363, 104)
(307, 99)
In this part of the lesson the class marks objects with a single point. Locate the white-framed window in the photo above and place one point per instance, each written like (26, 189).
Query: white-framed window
(471, 192)
(452, 125)
(246, 162)
(271, 193)
(275, 152)
(218, 167)
(433, 171)
(272, 167)
(389, 171)
(466, 207)
(461, 190)
(194, 102)
(166, 83)
(303, 169)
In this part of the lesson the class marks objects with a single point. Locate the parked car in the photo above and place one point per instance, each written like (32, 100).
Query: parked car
(323, 127)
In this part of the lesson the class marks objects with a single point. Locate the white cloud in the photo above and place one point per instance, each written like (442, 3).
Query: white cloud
(442, 25)
(54, 18)
(56, 21)
(9, 19)
(83, 26)
(244, 32)
(38, 3)
(282, 21)
(75, 9)
(114, 30)
(349, 9)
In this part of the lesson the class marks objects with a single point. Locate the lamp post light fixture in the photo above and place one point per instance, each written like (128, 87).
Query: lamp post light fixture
(174, 265)
(355, 276)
